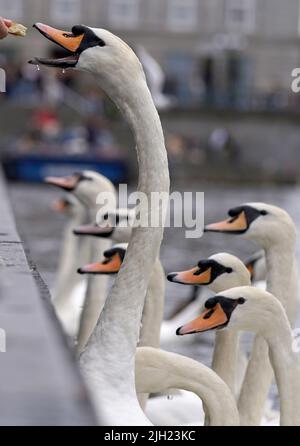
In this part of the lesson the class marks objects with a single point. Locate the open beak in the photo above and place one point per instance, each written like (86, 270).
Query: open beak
(235, 225)
(191, 277)
(67, 183)
(208, 320)
(93, 231)
(111, 265)
(64, 39)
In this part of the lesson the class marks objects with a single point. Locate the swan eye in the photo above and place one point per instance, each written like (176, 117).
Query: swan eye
(229, 270)
(105, 217)
(263, 213)
(241, 300)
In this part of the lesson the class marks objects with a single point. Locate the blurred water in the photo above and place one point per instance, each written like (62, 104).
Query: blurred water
(42, 230)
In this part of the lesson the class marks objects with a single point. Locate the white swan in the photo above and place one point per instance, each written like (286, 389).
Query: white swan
(252, 309)
(273, 229)
(86, 187)
(219, 272)
(160, 371)
(107, 363)
(69, 292)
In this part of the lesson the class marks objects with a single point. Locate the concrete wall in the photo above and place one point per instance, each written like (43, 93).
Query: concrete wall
(39, 381)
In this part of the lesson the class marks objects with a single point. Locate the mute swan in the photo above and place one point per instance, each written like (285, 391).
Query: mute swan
(86, 187)
(160, 370)
(273, 229)
(253, 309)
(219, 272)
(68, 296)
(108, 361)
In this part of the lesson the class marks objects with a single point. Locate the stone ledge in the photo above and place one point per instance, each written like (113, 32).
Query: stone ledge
(39, 380)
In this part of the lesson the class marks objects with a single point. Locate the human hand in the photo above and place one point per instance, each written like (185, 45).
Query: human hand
(4, 25)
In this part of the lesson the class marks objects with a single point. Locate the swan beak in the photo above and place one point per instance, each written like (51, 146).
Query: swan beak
(60, 205)
(94, 231)
(209, 319)
(67, 183)
(108, 266)
(234, 225)
(191, 277)
(65, 39)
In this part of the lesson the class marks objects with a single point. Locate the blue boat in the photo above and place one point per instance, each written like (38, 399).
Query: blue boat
(34, 168)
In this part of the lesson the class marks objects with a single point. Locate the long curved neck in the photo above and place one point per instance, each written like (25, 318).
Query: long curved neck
(153, 309)
(286, 365)
(159, 371)
(67, 278)
(108, 361)
(282, 281)
(280, 260)
(226, 349)
(96, 294)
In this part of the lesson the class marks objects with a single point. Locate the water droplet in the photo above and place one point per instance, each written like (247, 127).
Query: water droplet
(63, 71)
(38, 67)
(170, 397)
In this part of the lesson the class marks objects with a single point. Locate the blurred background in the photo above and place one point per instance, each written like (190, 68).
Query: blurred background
(220, 74)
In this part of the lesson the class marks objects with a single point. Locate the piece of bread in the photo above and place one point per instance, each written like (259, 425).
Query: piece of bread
(17, 29)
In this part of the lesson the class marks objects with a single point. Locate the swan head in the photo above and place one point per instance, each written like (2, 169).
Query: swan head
(219, 272)
(85, 186)
(266, 224)
(113, 259)
(97, 51)
(241, 308)
(116, 224)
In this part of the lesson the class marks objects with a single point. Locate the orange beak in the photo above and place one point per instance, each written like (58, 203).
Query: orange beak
(93, 231)
(190, 278)
(234, 225)
(60, 205)
(67, 183)
(108, 266)
(63, 38)
(208, 320)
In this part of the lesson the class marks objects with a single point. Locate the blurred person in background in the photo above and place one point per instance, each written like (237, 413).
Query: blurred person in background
(4, 25)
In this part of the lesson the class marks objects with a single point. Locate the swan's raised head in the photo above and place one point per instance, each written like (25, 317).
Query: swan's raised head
(264, 223)
(113, 259)
(220, 272)
(85, 186)
(95, 50)
(116, 224)
(241, 308)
